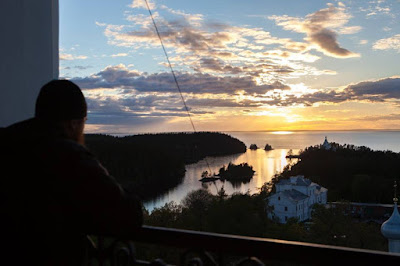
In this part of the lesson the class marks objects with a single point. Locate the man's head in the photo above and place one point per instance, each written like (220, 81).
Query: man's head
(61, 102)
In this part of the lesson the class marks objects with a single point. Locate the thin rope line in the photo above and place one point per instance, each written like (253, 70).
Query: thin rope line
(170, 66)
(173, 74)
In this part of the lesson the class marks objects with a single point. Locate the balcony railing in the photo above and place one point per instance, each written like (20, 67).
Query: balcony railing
(253, 250)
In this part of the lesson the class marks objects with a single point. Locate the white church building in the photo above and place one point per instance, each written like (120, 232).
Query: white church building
(294, 198)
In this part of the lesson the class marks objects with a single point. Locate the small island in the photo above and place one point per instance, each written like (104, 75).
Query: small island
(253, 147)
(207, 177)
(290, 155)
(241, 172)
(268, 147)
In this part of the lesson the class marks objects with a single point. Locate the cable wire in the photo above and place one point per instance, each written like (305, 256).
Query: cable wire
(170, 66)
(173, 74)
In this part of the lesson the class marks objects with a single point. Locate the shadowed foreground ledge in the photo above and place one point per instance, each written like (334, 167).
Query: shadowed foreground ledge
(262, 248)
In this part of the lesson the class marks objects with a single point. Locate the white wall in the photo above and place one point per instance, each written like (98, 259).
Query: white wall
(28, 55)
(279, 207)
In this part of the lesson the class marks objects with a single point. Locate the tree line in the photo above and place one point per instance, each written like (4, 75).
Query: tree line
(353, 173)
(151, 164)
(245, 214)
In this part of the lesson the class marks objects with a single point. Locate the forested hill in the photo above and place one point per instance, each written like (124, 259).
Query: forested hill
(192, 147)
(151, 164)
(350, 172)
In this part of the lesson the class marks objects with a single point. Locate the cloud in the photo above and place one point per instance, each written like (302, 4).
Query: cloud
(380, 90)
(391, 43)
(82, 67)
(226, 103)
(64, 56)
(383, 90)
(375, 8)
(197, 45)
(319, 29)
(119, 94)
(149, 93)
(119, 55)
(117, 76)
(350, 30)
(389, 117)
(217, 65)
(325, 39)
(120, 77)
(142, 4)
(386, 28)
(135, 109)
(195, 19)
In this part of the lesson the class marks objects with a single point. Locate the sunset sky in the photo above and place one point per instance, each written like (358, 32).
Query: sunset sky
(241, 65)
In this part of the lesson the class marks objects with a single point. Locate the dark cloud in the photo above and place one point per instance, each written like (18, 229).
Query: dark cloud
(111, 77)
(82, 67)
(372, 91)
(158, 92)
(310, 99)
(222, 103)
(180, 33)
(217, 25)
(150, 101)
(212, 47)
(117, 73)
(131, 105)
(111, 110)
(318, 27)
(217, 65)
(383, 89)
(327, 40)
(122, 78)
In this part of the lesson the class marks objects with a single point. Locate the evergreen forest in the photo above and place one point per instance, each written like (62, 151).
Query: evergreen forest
(351, 173)
(151, 164)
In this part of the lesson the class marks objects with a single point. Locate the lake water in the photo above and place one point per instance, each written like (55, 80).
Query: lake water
(268, 163)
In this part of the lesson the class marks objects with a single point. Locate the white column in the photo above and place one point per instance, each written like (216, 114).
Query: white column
(28, 55)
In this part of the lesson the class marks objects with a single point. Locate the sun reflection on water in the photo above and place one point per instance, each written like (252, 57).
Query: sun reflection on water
(282, 132)
(265, 163)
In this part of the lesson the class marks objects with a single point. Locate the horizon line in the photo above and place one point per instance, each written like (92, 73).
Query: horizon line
(224, 131)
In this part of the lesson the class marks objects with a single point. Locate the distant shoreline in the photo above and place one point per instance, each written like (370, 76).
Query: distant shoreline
(297, 140)
(247, 131)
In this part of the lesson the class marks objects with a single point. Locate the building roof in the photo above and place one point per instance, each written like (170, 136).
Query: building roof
(303, 182)
(292, 195)
(298, 180)
(319, 189)
(292, 192)
(284, 182)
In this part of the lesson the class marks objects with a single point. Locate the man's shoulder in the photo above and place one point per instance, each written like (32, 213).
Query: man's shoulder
(67, 144)
(70, 147)
(17, 129)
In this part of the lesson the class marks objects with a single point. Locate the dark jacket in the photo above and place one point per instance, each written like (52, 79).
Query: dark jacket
(54, 192)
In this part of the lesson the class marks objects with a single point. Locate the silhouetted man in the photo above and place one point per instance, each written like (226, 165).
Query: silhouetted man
(53, 190)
